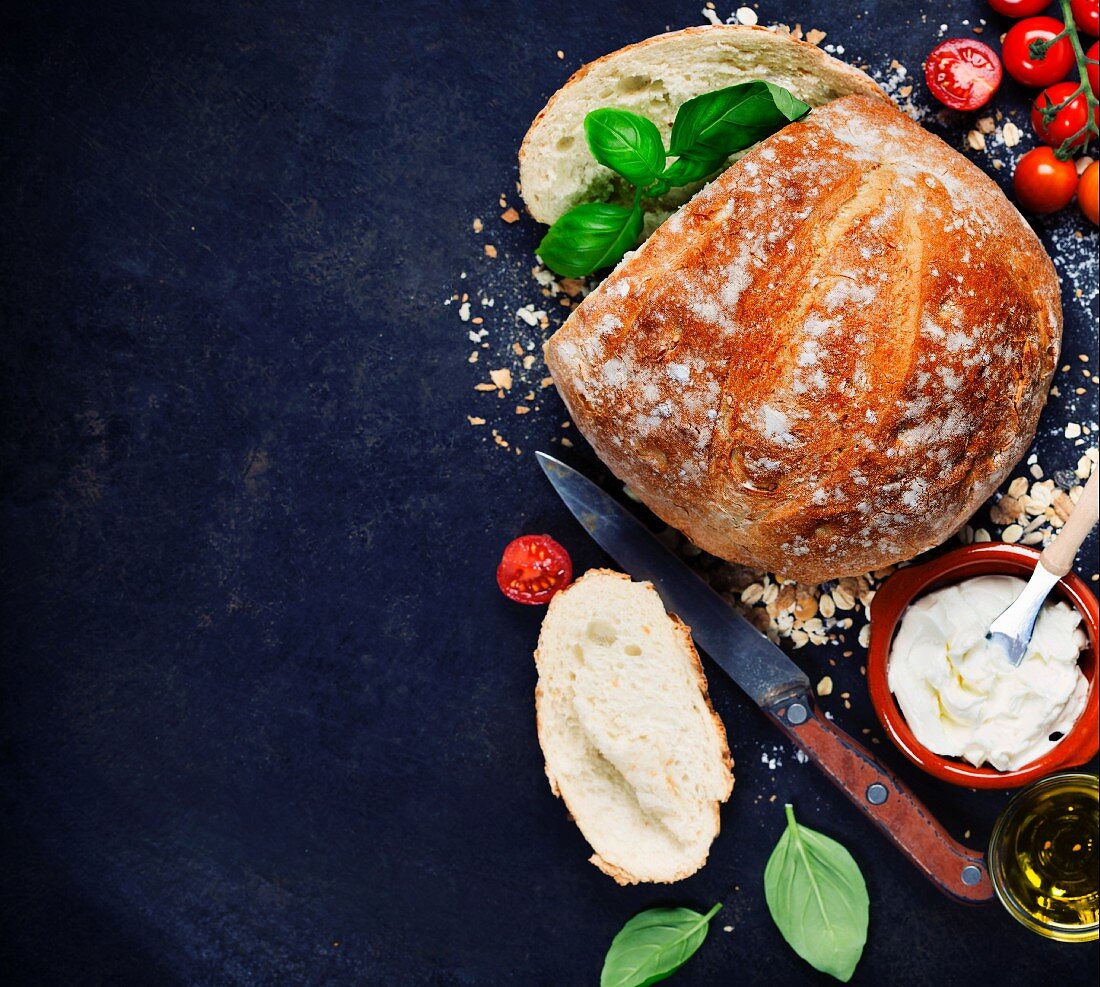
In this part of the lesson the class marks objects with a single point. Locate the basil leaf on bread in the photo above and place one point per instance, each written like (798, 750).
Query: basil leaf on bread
(706, 131)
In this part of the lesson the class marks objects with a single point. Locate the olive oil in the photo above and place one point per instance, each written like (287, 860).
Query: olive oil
(1044, 858)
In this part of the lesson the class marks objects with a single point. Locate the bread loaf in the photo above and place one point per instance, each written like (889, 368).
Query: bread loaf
(829, 358)
(653, 77)
(632, 744)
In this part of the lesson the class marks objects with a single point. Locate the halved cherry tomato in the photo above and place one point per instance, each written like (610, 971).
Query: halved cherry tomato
(1019, 8)
(1093, 56)
(1016, 51)
(1086, 15)
(533, 569)
(1067, 122)
(1088, 192)
(1042, 182)
(963, 73)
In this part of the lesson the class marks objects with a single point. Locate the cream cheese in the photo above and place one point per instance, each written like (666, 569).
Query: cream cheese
(960, 695)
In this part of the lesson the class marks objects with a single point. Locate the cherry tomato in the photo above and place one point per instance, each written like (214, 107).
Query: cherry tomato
(533, 569)
(1067, 122)
(1019, 8)
(1042, 182)
(1016, 51)
(1088, 192)
(1094, 68)
(1086, 15)
(963, 73)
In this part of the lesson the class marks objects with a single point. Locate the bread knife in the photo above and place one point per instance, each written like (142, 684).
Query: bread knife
(778, 686)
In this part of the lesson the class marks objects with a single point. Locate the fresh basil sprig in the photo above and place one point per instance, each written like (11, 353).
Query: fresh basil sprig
(706, 131)
(818, 898)
(653, 945)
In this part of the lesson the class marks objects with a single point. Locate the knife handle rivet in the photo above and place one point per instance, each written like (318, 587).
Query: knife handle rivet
(971, 875)
(796, 714)
(877, 793)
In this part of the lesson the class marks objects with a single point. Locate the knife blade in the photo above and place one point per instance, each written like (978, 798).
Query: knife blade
(746, 655)
(776, 684)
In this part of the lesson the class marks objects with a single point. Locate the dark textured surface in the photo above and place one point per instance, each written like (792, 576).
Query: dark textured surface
(265, 717)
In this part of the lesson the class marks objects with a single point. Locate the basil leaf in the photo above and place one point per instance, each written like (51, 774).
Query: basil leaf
(653, 945)
(687, 168)
(731, 119)
(818, 898)
(589, 237)
(626, 143)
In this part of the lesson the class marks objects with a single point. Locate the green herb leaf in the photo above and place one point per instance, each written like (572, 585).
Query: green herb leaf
(731, 119)
(653, 945)
(818, 898)
(687, 168)
(589, 237)
(626, 143)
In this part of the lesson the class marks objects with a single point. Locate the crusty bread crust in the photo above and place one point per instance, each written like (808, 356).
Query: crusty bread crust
(810, 73)
(620, 875)
(827, 360)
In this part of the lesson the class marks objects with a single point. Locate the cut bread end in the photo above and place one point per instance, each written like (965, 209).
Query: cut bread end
(653, 78)
(632, 744)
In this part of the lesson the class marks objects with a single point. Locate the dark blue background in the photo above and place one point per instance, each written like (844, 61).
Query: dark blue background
(265, 717)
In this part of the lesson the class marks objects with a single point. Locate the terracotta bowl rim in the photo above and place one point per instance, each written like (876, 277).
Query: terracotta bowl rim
(904, 586)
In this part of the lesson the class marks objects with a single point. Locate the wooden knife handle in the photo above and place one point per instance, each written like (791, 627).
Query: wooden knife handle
(955, 869)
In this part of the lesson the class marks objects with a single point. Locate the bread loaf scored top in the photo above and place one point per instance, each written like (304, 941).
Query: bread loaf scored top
(828, 359)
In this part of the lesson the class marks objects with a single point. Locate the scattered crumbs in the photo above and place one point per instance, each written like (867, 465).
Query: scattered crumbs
(815, 37)
(510, 215)
(473, 420)
(825, 686)
(501, 378)
(727, 928)
(522, 409)
(800, 755)
(560, 54)
(478, 225)
(490, 250)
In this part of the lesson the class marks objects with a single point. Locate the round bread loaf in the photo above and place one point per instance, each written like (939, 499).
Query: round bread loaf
(828, 359)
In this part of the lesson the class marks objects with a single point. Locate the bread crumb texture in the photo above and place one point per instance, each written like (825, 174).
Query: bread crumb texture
(632, 744)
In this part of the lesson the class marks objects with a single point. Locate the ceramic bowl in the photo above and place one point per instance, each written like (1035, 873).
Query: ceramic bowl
(987, 558)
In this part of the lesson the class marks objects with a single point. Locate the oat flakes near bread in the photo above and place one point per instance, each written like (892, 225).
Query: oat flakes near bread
(653, 78)
(830, 358)
(632, 744)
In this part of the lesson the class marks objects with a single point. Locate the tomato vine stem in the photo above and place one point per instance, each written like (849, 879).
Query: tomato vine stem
(1065, 150)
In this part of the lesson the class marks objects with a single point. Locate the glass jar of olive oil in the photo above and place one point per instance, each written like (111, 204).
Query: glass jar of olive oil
(1043, 857)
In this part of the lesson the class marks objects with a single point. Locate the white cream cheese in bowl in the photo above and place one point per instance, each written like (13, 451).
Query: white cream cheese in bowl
(960, 695)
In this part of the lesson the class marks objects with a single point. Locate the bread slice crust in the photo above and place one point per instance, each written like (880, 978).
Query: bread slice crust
(830, 358)
(607, 856)
(653, 77)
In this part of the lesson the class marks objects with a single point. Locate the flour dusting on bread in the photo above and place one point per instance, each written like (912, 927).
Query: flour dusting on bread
(857, 389)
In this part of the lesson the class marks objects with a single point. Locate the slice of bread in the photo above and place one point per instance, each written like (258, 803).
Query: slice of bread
(653, 77)
(632, 744)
